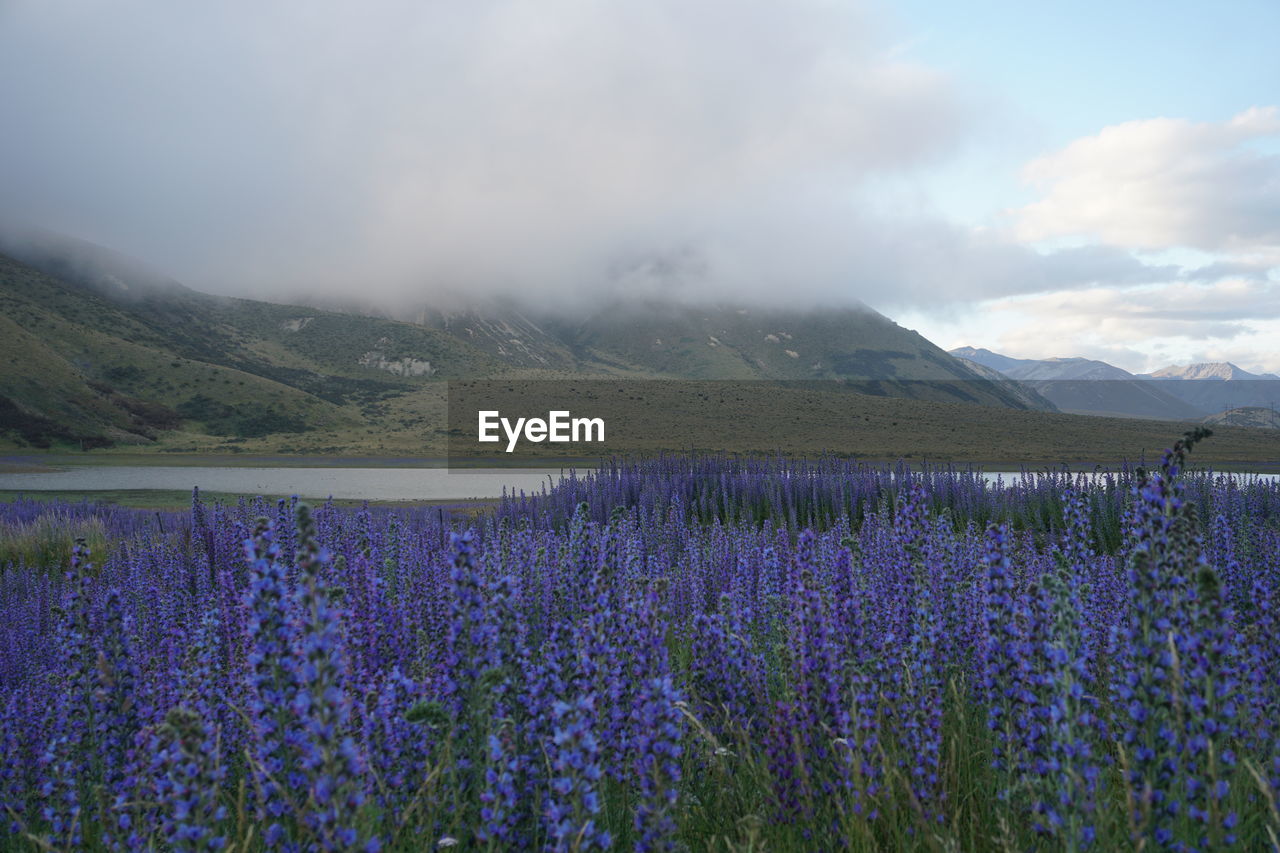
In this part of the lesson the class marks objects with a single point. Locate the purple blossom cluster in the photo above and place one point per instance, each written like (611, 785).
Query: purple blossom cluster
(677, 653)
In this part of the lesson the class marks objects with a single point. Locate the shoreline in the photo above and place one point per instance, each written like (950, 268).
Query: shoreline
(47, 463)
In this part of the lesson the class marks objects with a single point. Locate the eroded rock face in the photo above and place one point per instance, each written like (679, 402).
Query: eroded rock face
(297, 324)
(399, 366)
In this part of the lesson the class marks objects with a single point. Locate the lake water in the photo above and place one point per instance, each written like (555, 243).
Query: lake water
(383, 484)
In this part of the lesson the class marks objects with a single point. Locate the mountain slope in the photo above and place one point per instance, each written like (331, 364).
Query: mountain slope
(506, 333)
(97, 349)
(78, 366)
(1024, 390)
(1222, 370)
(1218, 387)
(1248, 416)
(1057, 369)
(856, 346)
(1042, 368)
(101, 288)
(987, 358)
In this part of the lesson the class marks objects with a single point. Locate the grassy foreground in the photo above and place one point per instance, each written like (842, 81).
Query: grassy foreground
(769, 419)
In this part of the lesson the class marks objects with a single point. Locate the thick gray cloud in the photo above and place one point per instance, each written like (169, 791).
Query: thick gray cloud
(405, 151)
(401, 147)
(1145, 327)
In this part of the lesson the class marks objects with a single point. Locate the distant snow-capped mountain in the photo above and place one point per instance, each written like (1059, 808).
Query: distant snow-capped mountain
(1089, 386)
(1179, 392)
(1086, 386)
(1216, 387)
(1220, 370)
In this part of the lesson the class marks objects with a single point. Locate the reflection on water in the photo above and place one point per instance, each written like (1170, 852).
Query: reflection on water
(386, 484)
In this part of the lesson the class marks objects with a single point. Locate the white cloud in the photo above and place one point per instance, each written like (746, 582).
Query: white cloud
(1145, 328)
(1162, 183)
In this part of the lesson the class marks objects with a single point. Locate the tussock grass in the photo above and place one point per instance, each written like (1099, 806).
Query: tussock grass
(46, 542)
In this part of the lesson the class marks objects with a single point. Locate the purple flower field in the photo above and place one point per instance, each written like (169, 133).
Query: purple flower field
(700, 653)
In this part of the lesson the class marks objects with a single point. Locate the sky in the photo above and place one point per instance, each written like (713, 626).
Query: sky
(1047, 179)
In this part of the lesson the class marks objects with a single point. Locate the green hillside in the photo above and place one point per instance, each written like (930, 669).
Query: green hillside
(854, 346)
(81, 368)
(96, 351)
